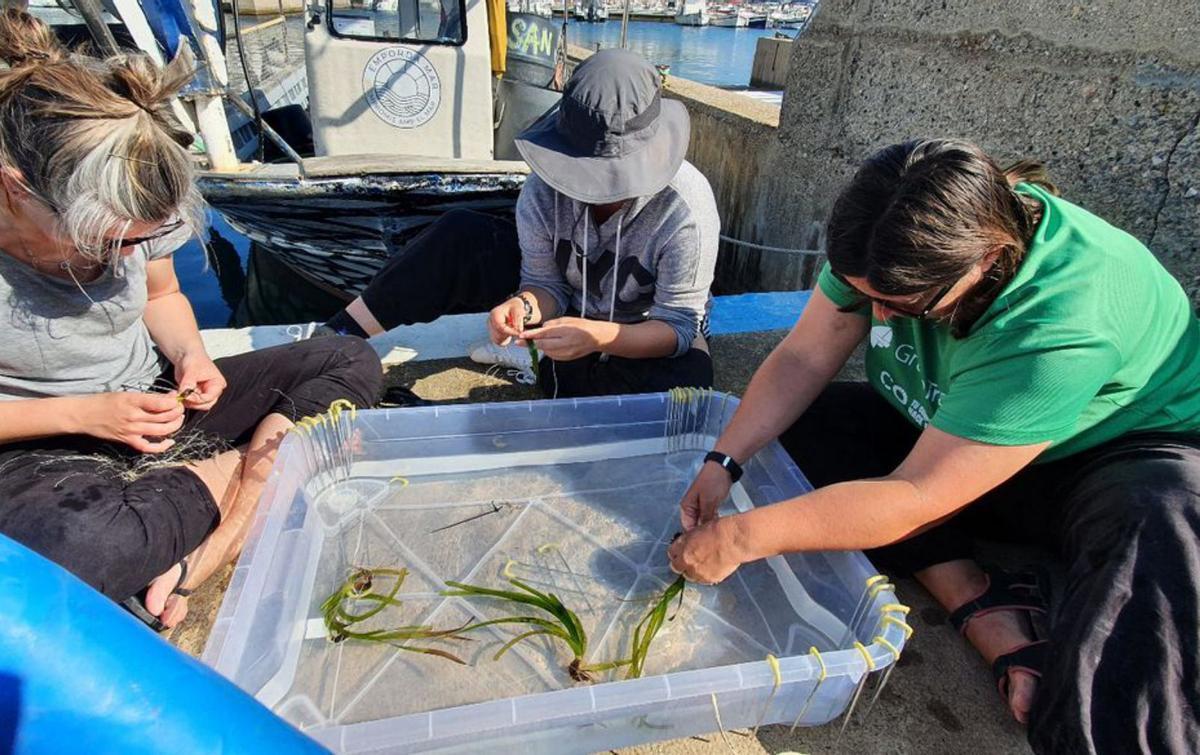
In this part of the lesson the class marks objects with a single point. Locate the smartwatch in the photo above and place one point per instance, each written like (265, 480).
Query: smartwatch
(727, 463)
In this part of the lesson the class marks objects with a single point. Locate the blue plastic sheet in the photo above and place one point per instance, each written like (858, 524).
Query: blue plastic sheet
(79, 674)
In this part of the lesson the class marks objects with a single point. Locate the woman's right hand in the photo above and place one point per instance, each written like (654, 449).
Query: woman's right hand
(506, 321)
(142, 421)
(701, 501)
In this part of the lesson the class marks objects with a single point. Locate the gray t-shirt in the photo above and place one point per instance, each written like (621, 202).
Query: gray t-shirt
(58, 343)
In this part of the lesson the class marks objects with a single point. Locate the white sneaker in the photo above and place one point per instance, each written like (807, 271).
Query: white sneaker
(513, 355)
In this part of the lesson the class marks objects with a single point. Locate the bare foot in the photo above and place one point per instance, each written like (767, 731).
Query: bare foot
(162, 602)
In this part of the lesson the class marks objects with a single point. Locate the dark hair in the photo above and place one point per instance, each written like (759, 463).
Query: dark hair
(920, 214)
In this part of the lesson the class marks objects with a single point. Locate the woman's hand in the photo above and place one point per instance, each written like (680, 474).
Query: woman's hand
(141, 421)
(568, 338)
(701, 501)
(200, 381)
(505, 321)
(709, 553)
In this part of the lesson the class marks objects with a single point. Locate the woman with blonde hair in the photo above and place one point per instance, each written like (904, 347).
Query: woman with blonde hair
(104, 380)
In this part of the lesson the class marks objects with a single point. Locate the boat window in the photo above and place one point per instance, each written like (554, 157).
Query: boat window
(439, 22)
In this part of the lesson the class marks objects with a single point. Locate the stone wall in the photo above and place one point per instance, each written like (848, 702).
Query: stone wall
(735, 144)
(1106, 92)
(772, 58)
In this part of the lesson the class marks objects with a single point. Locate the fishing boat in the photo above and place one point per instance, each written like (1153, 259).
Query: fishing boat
(729, 17)
(756, 18)
(793, 16)
(412, 113)
(591, 11)
(541, 8)
(692, 13)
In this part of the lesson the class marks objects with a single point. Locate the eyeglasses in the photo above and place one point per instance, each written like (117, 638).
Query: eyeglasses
(112, 244)
(898, 308)
(165, 230)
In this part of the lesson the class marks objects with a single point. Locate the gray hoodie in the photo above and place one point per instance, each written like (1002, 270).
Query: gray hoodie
(664, 248)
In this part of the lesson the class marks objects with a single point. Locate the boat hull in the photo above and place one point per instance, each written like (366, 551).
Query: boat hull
(337, 232)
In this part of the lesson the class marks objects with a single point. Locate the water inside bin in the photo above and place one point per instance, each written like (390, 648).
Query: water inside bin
(594, 533)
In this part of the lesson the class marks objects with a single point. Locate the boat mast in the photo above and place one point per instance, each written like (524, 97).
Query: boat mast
(93, 17)
(208, 100)
(624, 24)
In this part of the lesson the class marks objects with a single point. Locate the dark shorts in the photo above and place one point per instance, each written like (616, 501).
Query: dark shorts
(468, 261)
(59, 499)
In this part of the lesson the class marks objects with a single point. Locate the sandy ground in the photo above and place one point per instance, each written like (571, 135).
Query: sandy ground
(940, 700)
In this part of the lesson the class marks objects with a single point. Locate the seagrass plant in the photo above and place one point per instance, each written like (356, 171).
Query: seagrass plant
(562, 623)
(648, 628)
(559, 622)
(359, 588)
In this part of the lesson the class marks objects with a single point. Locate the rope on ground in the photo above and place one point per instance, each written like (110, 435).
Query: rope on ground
(779, 249)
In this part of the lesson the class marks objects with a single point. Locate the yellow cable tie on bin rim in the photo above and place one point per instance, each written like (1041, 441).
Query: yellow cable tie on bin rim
(812, 693)
(876, 578)
(337, 406)
(894, 607)
(904, 627)
(866, 654)
(891, 648)
(817, 654)
(402, 480)
(773, 662)
(507, 570)
(878, 587)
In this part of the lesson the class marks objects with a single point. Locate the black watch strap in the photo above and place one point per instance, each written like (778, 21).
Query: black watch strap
(732, 467)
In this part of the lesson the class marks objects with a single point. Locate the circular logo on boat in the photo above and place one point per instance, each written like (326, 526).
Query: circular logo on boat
(402, 87)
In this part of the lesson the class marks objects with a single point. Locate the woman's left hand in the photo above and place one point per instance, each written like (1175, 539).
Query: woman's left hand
(708, 553)
(567, 338)
(197, 373)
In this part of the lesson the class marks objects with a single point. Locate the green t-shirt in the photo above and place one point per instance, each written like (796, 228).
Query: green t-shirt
(1091, 339)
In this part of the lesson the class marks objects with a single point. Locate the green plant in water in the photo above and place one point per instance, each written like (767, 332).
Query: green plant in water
(648, 628)
(359, 588)
(561, 623)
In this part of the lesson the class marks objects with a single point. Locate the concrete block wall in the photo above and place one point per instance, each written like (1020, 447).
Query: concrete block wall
(1106, 92)
(772, 59)
(735, 144)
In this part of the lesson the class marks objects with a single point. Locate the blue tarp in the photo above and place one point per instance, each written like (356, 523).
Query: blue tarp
(79, 674)
(169, 22)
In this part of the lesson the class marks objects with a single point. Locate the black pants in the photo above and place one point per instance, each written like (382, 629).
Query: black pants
(469, 262)
(59, 500)
(1122, 674)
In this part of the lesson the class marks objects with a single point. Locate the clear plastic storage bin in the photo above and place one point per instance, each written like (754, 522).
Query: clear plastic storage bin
(579, 497)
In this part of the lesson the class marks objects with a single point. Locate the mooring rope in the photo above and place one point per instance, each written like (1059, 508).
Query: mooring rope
(779, 249)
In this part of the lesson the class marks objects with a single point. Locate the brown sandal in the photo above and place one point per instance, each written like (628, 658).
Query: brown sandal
(1010, 591)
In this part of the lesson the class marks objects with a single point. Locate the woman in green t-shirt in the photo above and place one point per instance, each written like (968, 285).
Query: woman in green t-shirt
(1032, 374)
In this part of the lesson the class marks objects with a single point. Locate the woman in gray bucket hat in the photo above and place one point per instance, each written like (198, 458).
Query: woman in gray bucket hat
(611, 257)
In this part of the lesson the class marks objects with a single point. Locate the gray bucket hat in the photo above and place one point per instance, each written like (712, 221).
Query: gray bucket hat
(612, 136)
